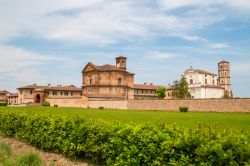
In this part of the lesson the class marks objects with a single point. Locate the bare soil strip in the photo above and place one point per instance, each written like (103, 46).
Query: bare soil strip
(49, 159)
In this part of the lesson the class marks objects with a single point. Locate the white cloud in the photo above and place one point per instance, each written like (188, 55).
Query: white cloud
(233, 4)
(99, 22)
(219, 45)
(18, 65)
(160, 55)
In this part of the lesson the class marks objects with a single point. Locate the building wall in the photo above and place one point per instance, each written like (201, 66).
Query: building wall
(224, 76)
(201, 79)
(3, 98)
(211, 93)
(25, 96)
(107, 84)
(12, 100)
(29, 96)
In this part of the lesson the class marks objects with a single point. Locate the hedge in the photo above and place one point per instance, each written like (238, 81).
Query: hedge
(3, 104)
(127, 144)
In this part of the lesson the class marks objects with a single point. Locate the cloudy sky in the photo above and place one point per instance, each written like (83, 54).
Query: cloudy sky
(44, 41)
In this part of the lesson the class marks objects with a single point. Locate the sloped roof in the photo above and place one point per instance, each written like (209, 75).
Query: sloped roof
(147, 87)
(13, 95)
(106, 67)
(63, 88)
(4, 92)
(223, 61)
(199, 71)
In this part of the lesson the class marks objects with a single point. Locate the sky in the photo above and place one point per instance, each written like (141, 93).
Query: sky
(48, 41)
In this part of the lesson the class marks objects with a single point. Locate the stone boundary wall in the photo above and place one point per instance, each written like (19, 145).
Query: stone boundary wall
(68, 102)
(195, 105)
(114, 104)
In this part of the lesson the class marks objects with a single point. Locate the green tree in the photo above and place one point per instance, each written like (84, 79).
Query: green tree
(226, 95)
(181, 88)
(161, 92)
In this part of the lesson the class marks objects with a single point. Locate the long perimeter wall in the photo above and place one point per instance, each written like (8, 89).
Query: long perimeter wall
(195, 105)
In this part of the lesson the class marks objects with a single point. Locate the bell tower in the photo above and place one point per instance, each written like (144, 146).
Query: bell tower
(121, 62)
(224, 77)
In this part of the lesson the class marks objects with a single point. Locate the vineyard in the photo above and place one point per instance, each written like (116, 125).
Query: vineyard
(132, 137)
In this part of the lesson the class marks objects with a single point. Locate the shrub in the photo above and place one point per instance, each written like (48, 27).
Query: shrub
(30, 159)
(183, 109)
(55, 105)
(101, 108)
(3, 104)
(128, 144)
(46, 103)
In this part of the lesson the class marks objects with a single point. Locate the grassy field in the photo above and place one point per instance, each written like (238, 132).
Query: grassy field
(235, 121)
(8, 158)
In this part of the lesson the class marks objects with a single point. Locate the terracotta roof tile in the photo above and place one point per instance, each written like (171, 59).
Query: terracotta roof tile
(223, 61)
(13, 95)
(63, 88)
(145, 86)
(106, 67)
(4, 92)
(200, 71)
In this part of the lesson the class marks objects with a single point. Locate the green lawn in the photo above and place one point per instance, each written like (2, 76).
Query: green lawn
(235, 121)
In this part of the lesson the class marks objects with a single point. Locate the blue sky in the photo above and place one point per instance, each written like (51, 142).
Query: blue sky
(51, 41)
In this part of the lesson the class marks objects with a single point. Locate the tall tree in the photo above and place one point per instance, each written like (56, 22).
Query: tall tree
(161, 92)
(181, 88)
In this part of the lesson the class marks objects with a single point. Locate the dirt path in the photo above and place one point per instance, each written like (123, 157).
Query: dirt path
(49, 159)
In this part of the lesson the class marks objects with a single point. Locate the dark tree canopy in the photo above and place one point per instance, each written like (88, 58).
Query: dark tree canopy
(161, 92)
(181, 88)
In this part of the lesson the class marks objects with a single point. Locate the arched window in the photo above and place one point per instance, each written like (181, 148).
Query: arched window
(90, 81)
(191, 81)
(119, 81)
(205, 81)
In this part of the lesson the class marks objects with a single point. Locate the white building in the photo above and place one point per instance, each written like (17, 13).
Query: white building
(203, 84)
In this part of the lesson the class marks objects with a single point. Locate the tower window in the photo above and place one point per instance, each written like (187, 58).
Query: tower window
(225, 74)
(213, 82)
(90, 81)
(205, 81)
